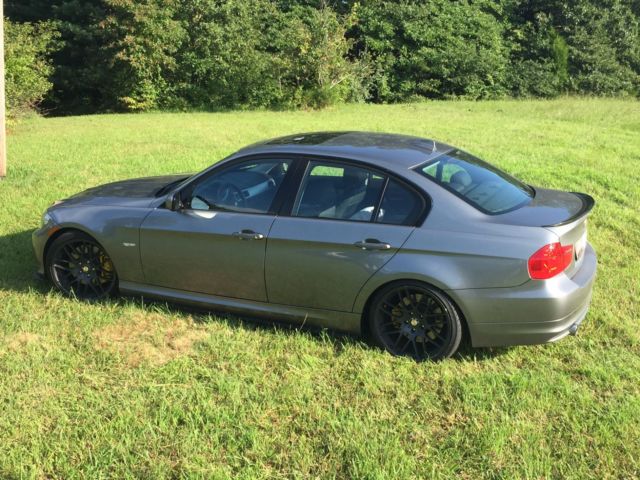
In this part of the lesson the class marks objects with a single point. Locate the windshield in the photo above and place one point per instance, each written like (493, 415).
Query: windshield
(485, 187)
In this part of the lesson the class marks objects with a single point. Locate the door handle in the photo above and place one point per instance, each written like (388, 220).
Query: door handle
(372, 244)
(248, 235)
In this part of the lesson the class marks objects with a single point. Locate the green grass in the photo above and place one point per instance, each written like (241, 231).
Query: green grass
(125, 389)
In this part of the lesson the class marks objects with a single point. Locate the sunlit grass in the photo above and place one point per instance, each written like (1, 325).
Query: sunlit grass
(128, 389)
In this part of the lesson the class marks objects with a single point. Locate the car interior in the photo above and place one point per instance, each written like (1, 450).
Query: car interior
(340, 192)
(247, 187)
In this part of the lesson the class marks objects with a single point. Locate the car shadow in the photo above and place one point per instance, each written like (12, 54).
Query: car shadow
(338, 340)
(18, 273)
(18, 264)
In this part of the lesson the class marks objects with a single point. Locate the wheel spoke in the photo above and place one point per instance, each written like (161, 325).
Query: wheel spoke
(392, 332)
(95, 290)
(407, 295)
(392, 326)
(401, 303)
(427, 354)
(404, 348)
(430, 340)
(397, 342)
(68, 249)
(415, 348)
(389, 305)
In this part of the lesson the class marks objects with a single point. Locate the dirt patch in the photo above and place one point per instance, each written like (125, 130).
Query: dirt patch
(151, 338)
(20, 341)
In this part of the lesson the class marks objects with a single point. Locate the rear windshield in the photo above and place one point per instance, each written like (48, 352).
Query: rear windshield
(485, 187)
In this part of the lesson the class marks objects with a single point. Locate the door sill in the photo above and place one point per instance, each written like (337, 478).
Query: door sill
(341, 321)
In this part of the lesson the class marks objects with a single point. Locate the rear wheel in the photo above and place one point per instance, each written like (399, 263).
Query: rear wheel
(79, 267)
(416, 320)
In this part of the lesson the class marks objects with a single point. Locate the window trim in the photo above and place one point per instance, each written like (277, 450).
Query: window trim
(287, 208)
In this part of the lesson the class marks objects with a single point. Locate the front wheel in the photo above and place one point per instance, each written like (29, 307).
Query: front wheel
(416, 320)
(79, 267)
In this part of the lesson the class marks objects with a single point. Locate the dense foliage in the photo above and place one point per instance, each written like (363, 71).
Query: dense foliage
(215, 54)
(27, 47)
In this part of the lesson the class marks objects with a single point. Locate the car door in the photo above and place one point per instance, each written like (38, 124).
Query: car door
(215, 242)
(346, 223)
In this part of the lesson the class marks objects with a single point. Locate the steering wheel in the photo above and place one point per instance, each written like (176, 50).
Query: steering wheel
(229, 195)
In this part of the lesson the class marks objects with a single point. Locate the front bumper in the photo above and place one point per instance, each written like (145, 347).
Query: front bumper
(532, 313)
(39, 240)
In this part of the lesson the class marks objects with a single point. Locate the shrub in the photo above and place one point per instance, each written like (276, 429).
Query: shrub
(436, 49)
(27, 62)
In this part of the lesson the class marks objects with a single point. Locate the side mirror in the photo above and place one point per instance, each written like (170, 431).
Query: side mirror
(173, 202)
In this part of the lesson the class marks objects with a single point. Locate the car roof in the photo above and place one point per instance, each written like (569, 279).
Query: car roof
(386, 150)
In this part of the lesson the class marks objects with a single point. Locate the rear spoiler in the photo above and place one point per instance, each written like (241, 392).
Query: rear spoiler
(587, 205)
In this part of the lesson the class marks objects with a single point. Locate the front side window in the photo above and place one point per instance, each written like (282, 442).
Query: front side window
(249, 187)
(485, 187)
(339, 191)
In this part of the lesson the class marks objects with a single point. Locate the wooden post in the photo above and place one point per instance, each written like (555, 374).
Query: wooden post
(3, 125)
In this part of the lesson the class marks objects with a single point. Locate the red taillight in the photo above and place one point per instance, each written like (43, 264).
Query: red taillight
(550, 260)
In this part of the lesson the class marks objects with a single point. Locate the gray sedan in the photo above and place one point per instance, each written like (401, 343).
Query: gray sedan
(412, 241)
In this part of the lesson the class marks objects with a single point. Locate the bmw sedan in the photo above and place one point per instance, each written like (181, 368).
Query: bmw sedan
(412, 241)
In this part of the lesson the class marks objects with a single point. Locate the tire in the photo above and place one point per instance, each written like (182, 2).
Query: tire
(416, 320)
(79, 267)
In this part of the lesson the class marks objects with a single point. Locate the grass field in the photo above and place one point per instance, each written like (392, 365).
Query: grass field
(127, 389)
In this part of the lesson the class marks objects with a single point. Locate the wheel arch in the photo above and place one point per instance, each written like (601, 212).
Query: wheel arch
(59, 233)
(382, 279)
(364, 320)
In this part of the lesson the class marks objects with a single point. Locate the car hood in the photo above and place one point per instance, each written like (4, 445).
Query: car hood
(137, 192)
(550, 208)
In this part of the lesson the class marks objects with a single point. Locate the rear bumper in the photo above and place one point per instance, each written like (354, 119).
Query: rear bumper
(532, 313)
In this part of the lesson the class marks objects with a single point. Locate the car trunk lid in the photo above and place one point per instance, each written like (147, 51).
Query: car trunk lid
(563, 213)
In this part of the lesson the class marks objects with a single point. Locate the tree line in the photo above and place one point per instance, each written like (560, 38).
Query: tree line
(84, 56)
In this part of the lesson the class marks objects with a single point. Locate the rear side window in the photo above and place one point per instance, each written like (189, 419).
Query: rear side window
(339, 191)
(400, 206)
(485, 187)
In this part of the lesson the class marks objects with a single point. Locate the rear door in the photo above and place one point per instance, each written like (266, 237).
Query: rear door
(216, 243)
(345, 223)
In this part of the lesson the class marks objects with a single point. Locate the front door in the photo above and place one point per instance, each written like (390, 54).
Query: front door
(216, 243)
(346, 223)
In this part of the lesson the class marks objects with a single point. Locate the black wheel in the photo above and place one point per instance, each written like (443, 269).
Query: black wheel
(416, 320)
(78, 266)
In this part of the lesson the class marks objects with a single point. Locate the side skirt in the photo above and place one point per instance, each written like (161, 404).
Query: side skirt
(341, 321)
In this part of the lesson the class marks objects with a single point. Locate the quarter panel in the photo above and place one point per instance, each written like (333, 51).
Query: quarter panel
(452, 260)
